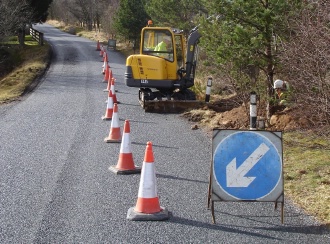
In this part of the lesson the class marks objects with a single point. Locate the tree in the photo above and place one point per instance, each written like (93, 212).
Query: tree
(130, 18)
(107, 19)
(242, 38)
(179, 14)
(305, 61)
(87, 12)
(40, 10)
(13, 14)
(83, 11)
(35, 13)
(60, 10)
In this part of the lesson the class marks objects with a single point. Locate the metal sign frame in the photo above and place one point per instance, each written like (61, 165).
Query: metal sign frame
(259, 157)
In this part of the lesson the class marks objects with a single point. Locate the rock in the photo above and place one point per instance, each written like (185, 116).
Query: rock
(227, 123)
(194, 127)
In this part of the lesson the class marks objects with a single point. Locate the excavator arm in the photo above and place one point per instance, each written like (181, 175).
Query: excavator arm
(191, 56)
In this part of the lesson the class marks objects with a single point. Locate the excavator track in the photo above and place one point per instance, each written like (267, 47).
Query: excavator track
(169, 106)
(177, 103)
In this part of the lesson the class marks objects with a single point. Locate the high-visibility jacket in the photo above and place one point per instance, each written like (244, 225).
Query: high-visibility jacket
(161, 46)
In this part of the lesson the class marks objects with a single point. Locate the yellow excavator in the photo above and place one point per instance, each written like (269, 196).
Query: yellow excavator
(164, 70)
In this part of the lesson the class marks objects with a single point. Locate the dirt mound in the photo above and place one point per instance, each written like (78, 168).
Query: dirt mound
(231, 114)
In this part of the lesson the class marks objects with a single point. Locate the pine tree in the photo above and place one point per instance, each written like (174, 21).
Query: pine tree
(40, 10)
(244, 34)
(177, 14)
(130, 19)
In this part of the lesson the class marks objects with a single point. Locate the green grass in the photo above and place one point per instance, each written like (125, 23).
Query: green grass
(307, 172)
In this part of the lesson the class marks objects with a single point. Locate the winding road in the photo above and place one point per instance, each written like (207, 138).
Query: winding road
(55, 185)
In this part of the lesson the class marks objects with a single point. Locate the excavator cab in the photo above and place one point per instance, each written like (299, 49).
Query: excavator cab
(159, 70)
(161, 55)
(173, 47)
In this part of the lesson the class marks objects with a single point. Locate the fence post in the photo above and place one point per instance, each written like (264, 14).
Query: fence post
(41, 38)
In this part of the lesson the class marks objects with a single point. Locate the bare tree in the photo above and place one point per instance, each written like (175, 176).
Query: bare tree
(88, 12)
(306, 61)
(14, 13)
(60, 11)
(107, 19)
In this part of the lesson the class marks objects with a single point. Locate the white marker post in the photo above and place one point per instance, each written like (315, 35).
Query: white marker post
(253, 111)
(208, 89)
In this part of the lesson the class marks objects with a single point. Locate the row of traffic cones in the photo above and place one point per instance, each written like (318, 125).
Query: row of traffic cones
(147, 206)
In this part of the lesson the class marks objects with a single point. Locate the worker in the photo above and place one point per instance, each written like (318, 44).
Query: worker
(164, 44)
(282, 91)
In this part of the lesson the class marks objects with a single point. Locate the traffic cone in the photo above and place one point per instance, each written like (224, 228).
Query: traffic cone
(103, 54)
(147, 205)
(109, 81)
(105, 57)
(113, 91)
(114, 134)
(106, 74)
(109, 111)
(125, 164)
(104, 67)
(98, 48)
(101, 51)
(110, 76)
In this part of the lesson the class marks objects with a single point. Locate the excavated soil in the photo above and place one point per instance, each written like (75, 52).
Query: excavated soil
(232, 114)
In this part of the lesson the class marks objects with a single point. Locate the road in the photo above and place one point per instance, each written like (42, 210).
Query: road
(55, 186)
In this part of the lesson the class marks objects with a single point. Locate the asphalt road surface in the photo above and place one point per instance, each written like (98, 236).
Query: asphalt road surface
(55, 186)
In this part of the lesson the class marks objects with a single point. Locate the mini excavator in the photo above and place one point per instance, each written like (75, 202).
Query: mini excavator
(164, 70)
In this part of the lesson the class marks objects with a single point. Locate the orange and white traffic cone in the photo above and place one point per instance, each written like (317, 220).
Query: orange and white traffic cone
(109, 110)
(104, 67)
(112, 88)
(125, 164)
(114, 134)
(105, 57)
(101, 51)
(147, 205)
(103, 54)
(106, 71)
(110, 76)
(98, 48)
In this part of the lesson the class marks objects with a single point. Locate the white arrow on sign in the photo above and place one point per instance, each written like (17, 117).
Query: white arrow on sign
(236, 176)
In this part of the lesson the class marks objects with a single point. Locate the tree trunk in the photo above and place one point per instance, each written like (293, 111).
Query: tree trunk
(270, 75)
(21, 36)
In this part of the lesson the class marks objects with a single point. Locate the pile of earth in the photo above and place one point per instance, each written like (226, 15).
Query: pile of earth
(230, 113)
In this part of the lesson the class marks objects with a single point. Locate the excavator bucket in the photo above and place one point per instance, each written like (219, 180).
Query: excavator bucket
(156, 106)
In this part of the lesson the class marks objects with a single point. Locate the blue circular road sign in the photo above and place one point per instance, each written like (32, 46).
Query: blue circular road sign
(247, 165)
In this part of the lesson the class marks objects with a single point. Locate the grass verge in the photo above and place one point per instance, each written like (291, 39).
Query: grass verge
(26, 65)
(307, 172)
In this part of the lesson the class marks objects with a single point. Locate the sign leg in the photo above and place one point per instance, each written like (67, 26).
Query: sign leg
(212, 210)
(210, 188)
(282, 212)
